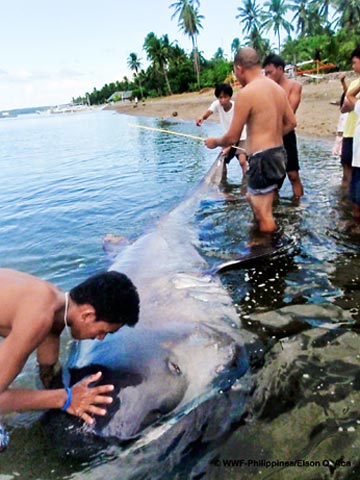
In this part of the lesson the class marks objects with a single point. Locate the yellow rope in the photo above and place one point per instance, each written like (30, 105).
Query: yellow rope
(176, 133)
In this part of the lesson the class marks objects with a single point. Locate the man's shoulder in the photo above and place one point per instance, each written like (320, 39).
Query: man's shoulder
(295, 83)
(214, 105)
(291, 85)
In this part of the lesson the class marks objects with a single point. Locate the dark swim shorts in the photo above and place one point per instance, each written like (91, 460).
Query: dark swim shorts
(291, 151)
(354, 189)
(347, 151)
(235, 152)
(267, 170)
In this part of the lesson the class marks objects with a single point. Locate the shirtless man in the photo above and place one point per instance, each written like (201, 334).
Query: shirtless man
(274, 67)
(33, 315)
(263, 106)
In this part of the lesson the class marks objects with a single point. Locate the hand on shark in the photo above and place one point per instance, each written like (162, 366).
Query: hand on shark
(85, 399)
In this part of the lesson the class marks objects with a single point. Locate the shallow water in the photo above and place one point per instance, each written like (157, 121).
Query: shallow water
(69, 180)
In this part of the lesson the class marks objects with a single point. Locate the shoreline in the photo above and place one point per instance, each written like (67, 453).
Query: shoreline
(317, 115)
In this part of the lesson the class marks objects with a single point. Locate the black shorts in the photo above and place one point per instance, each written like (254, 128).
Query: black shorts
(267, 169)
(347, 151)
(290, 146)
(235, 152)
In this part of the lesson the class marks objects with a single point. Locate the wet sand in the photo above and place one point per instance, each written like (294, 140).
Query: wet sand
(317, 115)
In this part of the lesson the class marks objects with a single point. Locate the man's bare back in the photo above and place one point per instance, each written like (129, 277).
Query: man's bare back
(263, 107)
(268, 114)
(23, 296)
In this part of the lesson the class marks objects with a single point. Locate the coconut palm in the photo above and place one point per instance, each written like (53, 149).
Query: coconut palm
(301, 16)
(311, 16)
(256, 41)
(189, 21)
(250, 16)
(349, 13)
(158, 52)
(235, 45)
(134, 63)
(323, 7)
(274, 18)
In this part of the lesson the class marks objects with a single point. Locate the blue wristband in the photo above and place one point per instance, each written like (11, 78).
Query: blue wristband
(68, 400)
(4, 438)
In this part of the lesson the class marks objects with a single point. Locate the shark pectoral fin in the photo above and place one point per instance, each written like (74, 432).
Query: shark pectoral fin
(254, 254)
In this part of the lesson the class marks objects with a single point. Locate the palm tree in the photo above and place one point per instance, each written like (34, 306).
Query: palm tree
(349, 14)
(323, 8)
(235, 45)
(250, 16)
(301, 16)
(189, 20)
(134, 63)
(158, 51)
(261, 45)
(274, 18)
(311, 16)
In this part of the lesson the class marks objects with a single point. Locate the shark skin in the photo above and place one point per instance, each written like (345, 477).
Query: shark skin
(186, 351)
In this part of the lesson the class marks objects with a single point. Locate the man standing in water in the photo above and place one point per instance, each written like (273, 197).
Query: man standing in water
(33, 315)
(274, 67)
(263, 106)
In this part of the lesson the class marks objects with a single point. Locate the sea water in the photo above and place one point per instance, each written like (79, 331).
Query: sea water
(68, 180)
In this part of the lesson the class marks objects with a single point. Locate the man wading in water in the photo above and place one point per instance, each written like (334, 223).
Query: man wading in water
(262, 106)
(33, 315)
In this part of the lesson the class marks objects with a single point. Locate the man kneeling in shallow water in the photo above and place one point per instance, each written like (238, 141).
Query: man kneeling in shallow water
(263, 106)
(33, 315)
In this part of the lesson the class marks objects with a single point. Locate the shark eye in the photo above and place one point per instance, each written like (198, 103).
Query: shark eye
(174, 368)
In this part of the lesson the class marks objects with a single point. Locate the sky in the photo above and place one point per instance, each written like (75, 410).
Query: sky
(54, 51)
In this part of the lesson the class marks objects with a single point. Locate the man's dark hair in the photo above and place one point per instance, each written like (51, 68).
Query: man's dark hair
(275, 60)
(113, 296)
(224, 88)
(356, 52)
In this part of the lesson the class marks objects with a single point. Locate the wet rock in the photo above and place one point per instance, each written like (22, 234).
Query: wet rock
(294, 319)
(305, 409)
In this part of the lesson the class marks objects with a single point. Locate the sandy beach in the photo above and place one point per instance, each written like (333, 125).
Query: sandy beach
(317, 115)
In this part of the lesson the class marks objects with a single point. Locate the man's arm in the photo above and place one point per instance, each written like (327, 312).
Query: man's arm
(203, 117)
(351, 95)
(83, 403)
(347, 106)
(14, 352)
(350, 98)
(295, 96)
(343, 81)
(289, 119)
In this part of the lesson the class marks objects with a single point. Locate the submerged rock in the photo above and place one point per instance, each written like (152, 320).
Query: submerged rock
(303, 420)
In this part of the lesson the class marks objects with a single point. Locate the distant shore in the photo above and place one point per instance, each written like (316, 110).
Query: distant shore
(317, 115)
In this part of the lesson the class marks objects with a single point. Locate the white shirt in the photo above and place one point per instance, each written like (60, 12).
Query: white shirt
(226, 117)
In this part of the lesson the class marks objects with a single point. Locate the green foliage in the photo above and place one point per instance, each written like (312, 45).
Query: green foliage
(334, 48)
(215, 71)
(172, 70)
(182, 77)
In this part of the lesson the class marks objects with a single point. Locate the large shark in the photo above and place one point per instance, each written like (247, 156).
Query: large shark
(187, 347)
